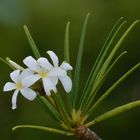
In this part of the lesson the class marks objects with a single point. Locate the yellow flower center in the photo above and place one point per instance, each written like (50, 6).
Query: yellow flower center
(43, 74)
(19, 85)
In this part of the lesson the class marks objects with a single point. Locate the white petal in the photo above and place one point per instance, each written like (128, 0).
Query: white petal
(9, 86)
(66, 66)
(15, 65)
(53, 57)
(54, 80)
(14, 99)
(48, 86)
(30, 80)
(44, 63)
(15, 75)
(28, 93)
(57, 72)
(31, 63)
(67, 83)
(26, 72)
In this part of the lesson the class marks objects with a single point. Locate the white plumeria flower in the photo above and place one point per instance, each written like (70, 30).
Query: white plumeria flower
(19, 84)
(49, 73)
(63, 68)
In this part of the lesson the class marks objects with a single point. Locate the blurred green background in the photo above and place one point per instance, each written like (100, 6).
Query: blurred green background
(46, 20)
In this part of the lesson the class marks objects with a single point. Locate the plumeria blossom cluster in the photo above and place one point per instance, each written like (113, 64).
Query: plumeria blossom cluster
(38, 70)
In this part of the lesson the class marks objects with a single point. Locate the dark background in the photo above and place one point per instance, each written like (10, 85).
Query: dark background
(46, 20)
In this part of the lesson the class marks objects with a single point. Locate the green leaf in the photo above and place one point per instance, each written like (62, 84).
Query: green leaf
(47, 129)
(99, 61)
(61, 107)
(31, 42)
(66, 43)
(107, 62)
(109, 91)
(66, 46)
(109, 69)
(113, 52)
(13, 64)
(49, 108)
(4, 61)
(102, 60)
(79, 61)
(114, 112)
(99, 84)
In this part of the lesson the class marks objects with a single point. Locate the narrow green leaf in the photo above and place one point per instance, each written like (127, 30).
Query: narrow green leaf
(111, 67)
(113, 52)
(114, 112)
(78, 62)
(66, 43)
(109, 91)
(110, 37)
(108, 60)
(49, 108)
(61, 107)
(13, 64)
(67, 55)
(31, 42)
(100, 60)
(99, 84)
(47, 129)
(4, 61)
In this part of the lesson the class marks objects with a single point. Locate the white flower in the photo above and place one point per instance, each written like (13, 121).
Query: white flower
(19, 84)
(61, 71)
(49, 73)
(49, 82)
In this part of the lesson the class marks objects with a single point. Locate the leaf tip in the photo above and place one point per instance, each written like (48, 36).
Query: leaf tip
(137, 21)
(88, 14)
(25, 27)
(14, 128)
(68, 22)
(125, 21)
(125, 52)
